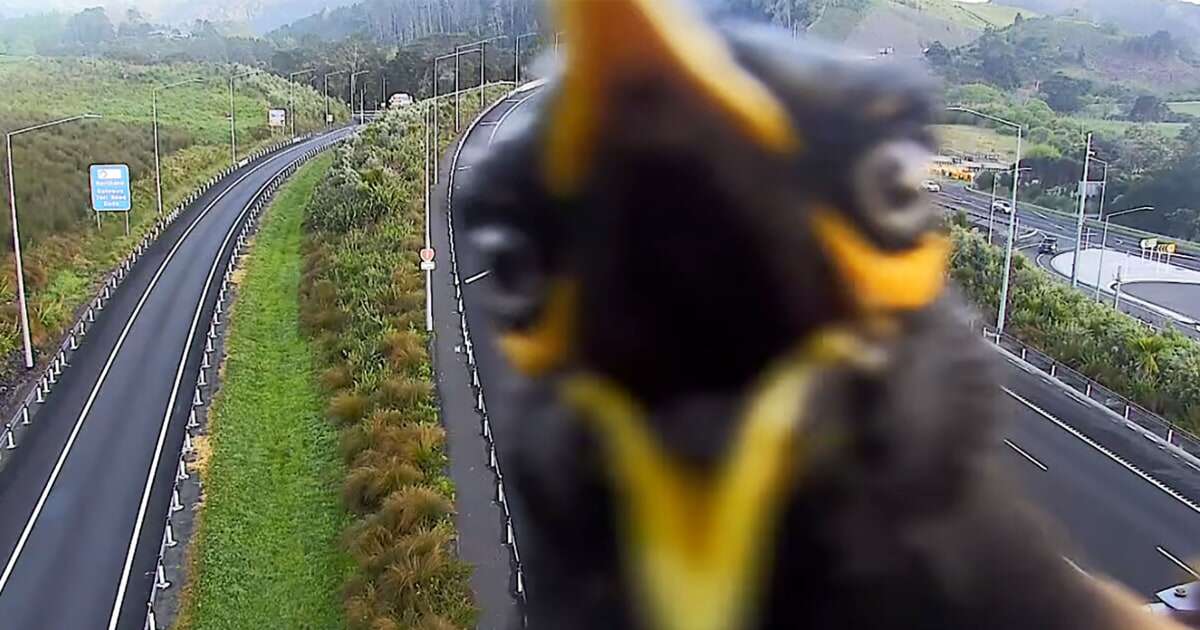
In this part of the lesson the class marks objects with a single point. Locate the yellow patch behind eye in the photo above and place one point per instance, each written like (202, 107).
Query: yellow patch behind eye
(881, 280)
(547, 343)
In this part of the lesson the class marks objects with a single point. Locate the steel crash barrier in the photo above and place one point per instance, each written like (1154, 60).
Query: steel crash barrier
(1176, 440)
(203, 381)
(26, 413)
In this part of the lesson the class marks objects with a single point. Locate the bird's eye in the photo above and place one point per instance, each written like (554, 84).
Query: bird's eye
(517, 278)
(887, 181)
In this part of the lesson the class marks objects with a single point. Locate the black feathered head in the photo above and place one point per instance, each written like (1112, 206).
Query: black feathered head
(683, 215)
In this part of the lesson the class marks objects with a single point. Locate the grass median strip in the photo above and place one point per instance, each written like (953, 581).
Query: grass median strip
(266, 553)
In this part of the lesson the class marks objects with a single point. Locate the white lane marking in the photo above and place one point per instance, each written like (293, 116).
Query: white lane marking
(465, 168)
(504, 116)
(1179, 563)
(162, 433)
(479, 276)
(1169, 491)
(62, 457)
(1027, 456)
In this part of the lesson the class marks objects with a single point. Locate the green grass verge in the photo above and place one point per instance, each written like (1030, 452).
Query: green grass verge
(1185, 107)
(972, 140)
(266, 554)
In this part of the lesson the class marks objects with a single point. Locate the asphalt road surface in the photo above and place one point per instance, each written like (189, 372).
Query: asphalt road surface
(1181, 298)
(977, 207)
(81, 514)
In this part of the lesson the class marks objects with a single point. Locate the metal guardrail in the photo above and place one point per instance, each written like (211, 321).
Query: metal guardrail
(485, 428)
(26, 411)
(1171, 434)
(200, 402)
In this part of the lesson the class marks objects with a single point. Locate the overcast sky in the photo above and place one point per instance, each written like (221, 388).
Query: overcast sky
(156, 7)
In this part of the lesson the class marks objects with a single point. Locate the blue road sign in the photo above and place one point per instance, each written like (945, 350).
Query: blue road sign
(110, 188)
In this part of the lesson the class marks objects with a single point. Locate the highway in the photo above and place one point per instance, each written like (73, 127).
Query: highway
(84, 498)
(1083, 469)
(1181, 298)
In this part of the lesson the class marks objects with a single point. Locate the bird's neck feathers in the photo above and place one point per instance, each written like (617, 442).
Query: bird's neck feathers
(696, 539)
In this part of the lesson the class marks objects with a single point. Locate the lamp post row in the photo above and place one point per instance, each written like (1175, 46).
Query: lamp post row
(479, 46)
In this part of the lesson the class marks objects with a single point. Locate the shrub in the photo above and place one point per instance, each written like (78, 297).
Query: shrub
(347, 407)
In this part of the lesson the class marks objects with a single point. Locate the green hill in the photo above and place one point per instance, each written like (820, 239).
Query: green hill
(65, 253)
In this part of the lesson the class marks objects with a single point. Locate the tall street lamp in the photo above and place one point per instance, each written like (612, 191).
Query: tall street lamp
(436, 110)
(457, 90)
(328, 115)
(291, 84)
(992, 207)
(483, 66)
(154, 106)
(1104, 241)
(233, 114)
(353, 80)
(1012, 224)
(12, 204)
(1087, 159)
(517, 57)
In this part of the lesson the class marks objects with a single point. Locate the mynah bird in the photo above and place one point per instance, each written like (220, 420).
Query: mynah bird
(752, 399)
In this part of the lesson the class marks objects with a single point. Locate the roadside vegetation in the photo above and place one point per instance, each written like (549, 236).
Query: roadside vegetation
(65, 254)
(266, 551)
(1158, 370)
(363, 306)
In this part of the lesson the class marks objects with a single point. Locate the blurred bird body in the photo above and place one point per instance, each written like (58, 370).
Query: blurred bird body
(753, 403)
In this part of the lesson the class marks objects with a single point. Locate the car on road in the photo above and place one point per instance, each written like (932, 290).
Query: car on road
(931, 186)
(1049, 245)
(1000, 205)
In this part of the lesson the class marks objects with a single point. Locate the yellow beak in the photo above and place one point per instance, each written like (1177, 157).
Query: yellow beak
(612, 41)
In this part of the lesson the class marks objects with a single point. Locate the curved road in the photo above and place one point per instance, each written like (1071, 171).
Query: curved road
(83, 500)
(1070, 458)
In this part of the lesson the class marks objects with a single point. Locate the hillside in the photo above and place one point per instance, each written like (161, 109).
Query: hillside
(1049, 53)
(908, 26)
(65, 253)
(1181, 19)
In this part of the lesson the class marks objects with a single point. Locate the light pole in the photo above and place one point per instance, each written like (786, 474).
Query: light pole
(1012, 224)
(1079, 220)
(992, 208)
(483, 66)
(353, 79)
(1104, 241)
(436, 110)
(154, 106)
(457, 91)
(291, 85)
(328, 119)
(12, 204)
(517, 58)
(233, 115)
(428, 239)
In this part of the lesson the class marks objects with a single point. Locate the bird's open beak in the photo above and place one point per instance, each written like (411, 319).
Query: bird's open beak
(611, 42)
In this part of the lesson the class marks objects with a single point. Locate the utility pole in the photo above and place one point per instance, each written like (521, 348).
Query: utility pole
(291, 85)
(22, 306)
(328, 114)
(1079, 222)
(517, 58)
(233, 116)
(157, 167)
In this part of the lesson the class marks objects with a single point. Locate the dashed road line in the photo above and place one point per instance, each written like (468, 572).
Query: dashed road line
(1179, 563)
(1033, 460)
(1169, 491)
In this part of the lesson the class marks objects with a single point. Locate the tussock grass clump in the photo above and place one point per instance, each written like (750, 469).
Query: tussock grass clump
(346, 408)
(363, 305)
(404, 392)
(336, 378)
